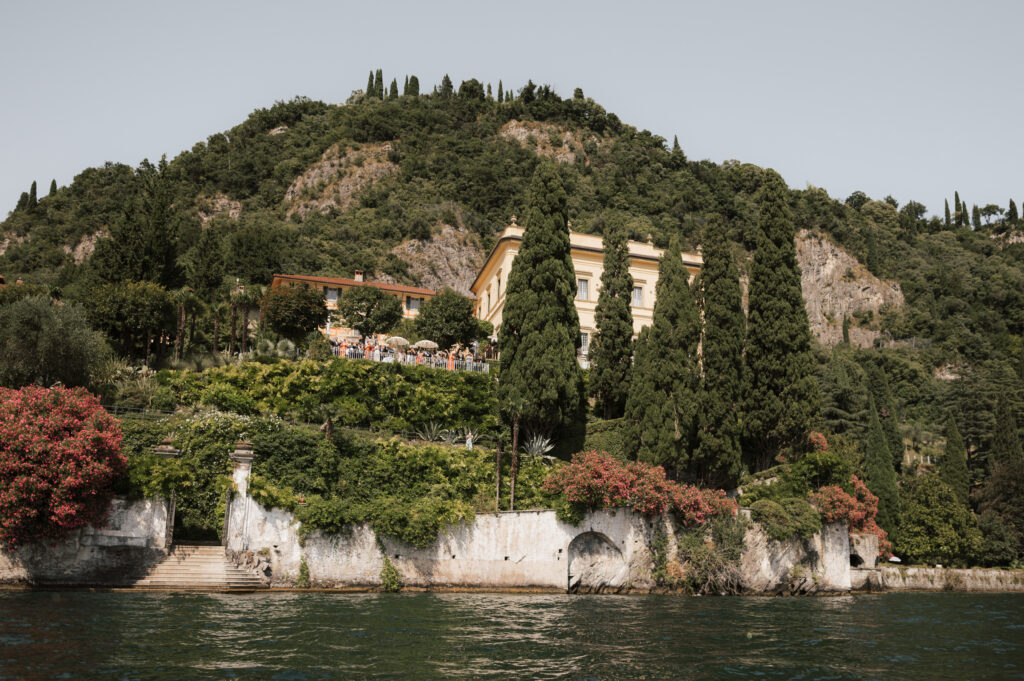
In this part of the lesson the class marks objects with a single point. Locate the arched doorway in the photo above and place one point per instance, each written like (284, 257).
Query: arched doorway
(595, 564)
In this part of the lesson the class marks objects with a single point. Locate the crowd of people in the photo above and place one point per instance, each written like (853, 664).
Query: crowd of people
(457, 358)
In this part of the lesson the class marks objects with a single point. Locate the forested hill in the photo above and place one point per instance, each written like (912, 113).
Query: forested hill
(372, 184)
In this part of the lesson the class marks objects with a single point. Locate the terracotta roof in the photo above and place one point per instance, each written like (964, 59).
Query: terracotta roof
(339, 281)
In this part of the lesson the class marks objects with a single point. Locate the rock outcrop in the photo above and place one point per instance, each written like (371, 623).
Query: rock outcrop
(835, 285)
(546, 139)
(334, 181)
(452, 257)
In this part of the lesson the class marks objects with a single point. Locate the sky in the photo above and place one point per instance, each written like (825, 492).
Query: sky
(913, 99)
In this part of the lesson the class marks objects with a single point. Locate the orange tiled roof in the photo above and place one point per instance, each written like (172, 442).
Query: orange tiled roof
(340, 281)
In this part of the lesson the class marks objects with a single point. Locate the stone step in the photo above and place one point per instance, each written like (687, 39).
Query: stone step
(202, 567)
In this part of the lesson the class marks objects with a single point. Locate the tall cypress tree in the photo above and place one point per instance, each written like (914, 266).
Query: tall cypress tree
(957, 209)
(405, 86)
(22, 201)
(371, 85)
(878, 386)
(53, 188)
(32, 200)
(611, 353)
(661, 410)
(781, 393)
(953, 465)
(1011, 213)
(1006, 447)
(393, 93)
(378, 90)
(947, 213)
(976, 217)
(540, 384)
(490, 94)
(414, 86)
(879, 475)
(446, 87)
(718, 459)
(501, 93)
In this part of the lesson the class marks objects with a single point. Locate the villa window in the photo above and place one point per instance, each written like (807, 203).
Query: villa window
(332, 295)
(582, 289)
(638, 296)
(412, 304)
(584, 343)
(499, 283)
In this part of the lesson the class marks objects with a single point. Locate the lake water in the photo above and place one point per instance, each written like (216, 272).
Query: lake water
(297, 636)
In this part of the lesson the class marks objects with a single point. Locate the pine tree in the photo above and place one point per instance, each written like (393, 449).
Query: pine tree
(844, 399)
(371, 86)
(953, 465)
(1006, 445)
(414, 86)
(878, 386)
(446, 87)
(53, 188)
(879, 475)
(781, 393)
(32, 201)
(661, 410)
(501, 93)
(611, 353)
(539, 386)
(393, 93)
(719, 457)
(947, 213)
(378, 90)
(1011, 213)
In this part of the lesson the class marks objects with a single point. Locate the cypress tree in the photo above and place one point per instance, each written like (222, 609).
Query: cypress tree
(846, 329)
(781, 393)
(32, 201)
(378, 90)
(414, 86)
(976, 217)
(878, 386)
(957, 209)
(371, 86)
(718, 459)
(393, 93)
(953, 465)
(879, 475)
(661, 410)
(1011, 213)
(501, 93)
(446, 87)
(22, 201)
(490, 95)
(844, 399)
(611, 353)
(405, 86)
(53, 188)
(539, 386)
(947, 213)
(1006, 447)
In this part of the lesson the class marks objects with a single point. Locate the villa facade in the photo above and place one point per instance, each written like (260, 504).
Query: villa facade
(587, 252)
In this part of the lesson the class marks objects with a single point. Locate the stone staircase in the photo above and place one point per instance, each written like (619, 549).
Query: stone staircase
(198, 567)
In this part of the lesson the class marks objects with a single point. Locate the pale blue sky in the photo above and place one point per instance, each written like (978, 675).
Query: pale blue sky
(915, 99)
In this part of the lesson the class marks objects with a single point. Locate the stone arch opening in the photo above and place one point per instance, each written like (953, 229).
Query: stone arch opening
(856, 560)
(595, 563)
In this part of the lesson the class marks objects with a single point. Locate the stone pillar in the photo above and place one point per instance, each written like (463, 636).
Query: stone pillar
(168, 451)
(241, 461)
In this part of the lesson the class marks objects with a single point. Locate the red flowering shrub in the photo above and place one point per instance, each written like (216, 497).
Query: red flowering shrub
(60, 453)
(598, 480)
(817, 441)
(857, 510)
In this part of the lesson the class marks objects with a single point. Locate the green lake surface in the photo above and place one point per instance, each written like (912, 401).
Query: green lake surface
(297, 636)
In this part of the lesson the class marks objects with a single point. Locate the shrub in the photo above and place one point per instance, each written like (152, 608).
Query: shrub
(227, 398)
(60, 454)
(784, 520)
(303, 580)
(390, 579)
(935, 526)
(606, 436)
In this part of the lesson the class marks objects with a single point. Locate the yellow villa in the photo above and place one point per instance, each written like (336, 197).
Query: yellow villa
(588, 261)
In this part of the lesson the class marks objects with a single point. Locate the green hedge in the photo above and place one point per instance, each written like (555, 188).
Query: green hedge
(607, 436)
(400, 398)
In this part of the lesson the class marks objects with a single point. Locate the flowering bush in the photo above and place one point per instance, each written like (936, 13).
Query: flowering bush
(60, 453)
(817, 442)
(598, 480)
(857, 510)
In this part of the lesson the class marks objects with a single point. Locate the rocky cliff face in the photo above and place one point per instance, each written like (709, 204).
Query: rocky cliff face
(452, 257)
(333, 182)
(835, 285)
(546, 139)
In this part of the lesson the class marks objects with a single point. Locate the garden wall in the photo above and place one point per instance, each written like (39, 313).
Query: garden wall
(134, 537)
(898, 578)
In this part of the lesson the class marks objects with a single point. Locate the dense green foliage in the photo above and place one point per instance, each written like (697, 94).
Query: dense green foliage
(953, 465)
(611, 351)
(718, 459)
(788, 518)
(369, 310)
(447, 319)
(935, 526)
(293, 311)
(781, 395)
(879, 475)
(540, 385)
(661, 411)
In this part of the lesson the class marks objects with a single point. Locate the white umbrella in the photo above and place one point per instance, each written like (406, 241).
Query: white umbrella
(396, 342)
(425, 345)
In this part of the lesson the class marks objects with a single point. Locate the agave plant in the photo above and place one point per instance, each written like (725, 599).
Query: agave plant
(538, 445)
(432, 432)
(451, 436)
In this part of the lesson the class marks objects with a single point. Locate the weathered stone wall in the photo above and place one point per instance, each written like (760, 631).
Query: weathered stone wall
(899, 578)
(133, 538)
(608, 551)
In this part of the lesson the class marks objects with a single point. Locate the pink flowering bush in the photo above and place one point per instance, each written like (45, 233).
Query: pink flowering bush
(60, 453)
(857, 510)
(598, 480)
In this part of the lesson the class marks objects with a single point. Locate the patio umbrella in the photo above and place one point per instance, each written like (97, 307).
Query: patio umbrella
(425, 345)
(396, 342)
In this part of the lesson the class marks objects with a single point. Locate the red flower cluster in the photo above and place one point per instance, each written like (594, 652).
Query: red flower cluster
(817, 441)
(60, 453)
(858, 510)
(599, 480)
